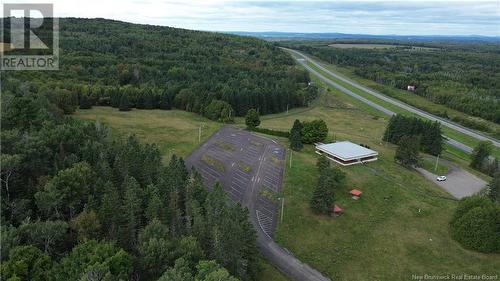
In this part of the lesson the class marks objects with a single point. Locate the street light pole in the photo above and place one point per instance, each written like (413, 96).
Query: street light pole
(282, 207)
(199, 134)
(437, 161)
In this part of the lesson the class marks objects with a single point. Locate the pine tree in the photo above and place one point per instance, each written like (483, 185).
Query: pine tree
(295, 136)
(124, 103)
(85, 102)
(109, 214)
(322, 164)
(432, 141)
(407, 153)
(324, 193)
(494, 188)
(155, 208)
(132, 208)
(480, 154)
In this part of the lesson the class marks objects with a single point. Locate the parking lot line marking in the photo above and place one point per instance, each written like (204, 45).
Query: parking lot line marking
(209, 171)
(238, 173)
(236, 190)
(240, 181)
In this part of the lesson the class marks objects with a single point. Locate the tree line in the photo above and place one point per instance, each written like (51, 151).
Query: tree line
(78, 204)
(427, 133)
(124, 65)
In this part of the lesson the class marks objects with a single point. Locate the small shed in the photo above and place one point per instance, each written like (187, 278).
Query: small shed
(411, 88)
(356, 194)
(336, 210)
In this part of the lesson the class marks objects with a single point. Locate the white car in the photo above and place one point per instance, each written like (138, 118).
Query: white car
(441, 178)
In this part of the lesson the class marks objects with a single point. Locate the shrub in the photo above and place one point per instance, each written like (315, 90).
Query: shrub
(314, 131)
(271, 132)
(476, 225)
(252, 119)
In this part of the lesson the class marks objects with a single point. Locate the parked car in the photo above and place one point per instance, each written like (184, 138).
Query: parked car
(441, 178)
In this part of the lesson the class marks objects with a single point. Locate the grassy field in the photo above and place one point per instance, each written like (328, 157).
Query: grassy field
(363, 46)
(429, 164)
(398, 228)
(470, 141)
(378, 46)
(174, 131)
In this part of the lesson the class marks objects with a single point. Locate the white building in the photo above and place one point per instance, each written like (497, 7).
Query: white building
(346, 153)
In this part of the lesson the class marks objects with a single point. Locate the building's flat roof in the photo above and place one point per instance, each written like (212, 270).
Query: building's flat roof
(346, 150)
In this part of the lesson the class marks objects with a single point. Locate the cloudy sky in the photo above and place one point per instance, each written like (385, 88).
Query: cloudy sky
(413, 17)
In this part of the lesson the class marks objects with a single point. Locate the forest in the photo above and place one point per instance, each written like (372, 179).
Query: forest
(106, 62)
(79, 204)
(464, 76)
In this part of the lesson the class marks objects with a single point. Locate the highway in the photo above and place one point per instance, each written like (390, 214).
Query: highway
(301, 58)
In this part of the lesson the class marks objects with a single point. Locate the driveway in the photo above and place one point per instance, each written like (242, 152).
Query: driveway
(459, 182)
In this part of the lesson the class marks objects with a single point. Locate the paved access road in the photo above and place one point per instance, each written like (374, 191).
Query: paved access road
(250, 168)
(301, 59)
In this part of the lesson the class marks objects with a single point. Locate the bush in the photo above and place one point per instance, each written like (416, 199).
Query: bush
(252, 119)
(220, 111)
(271, 132)
(476, 225)
(314, 131)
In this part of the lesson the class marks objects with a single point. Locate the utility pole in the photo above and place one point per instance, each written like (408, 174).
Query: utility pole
(291, 153)
(199, 134)
(282, 207)
(286, 108)
(437, 161)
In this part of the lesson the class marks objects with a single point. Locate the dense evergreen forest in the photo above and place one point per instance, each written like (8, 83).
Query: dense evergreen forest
(105, 62)
(461, 75)
(78, 204)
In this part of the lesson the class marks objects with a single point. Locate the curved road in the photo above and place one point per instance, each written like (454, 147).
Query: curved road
(280, 257)
(395, 102)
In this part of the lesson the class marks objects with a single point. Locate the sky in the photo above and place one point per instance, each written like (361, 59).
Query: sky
(411, 17)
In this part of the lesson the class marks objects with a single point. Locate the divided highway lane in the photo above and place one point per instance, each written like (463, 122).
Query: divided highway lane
(384, 110)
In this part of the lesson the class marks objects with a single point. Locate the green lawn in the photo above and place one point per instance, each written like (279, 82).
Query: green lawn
(398, 228)
(465, 139)
(429, 164)
(174, 131)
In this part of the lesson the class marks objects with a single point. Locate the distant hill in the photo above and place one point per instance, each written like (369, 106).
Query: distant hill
(328, 36)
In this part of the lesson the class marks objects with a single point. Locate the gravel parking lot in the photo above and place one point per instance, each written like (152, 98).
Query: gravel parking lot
(459, 182)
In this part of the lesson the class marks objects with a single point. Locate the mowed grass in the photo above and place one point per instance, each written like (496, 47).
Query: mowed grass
(363, 46)
(174, 131)
(398, 228)
(379, 46)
